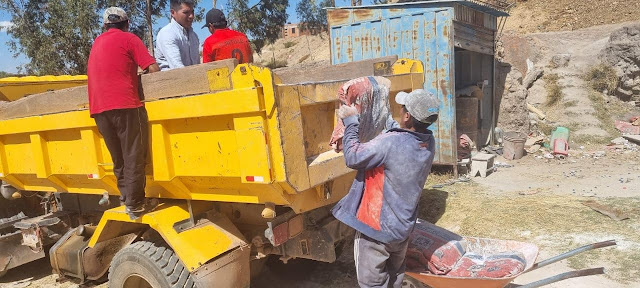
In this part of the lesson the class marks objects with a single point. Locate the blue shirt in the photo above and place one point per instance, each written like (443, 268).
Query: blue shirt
(177, 47)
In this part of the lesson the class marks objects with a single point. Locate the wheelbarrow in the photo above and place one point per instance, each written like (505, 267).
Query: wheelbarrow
(492, 246)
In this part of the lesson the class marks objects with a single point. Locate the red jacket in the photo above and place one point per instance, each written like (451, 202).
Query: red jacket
(226, 44)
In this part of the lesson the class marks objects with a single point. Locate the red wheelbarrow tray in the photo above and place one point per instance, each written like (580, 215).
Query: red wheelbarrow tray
(484, 246)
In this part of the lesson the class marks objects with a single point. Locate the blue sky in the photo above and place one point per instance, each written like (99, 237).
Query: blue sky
(9, 63)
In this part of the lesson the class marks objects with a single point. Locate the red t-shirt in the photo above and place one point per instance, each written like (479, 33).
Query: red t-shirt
(226, 44)
(113, 71)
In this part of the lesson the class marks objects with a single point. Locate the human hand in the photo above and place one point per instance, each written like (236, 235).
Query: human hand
(346, 111)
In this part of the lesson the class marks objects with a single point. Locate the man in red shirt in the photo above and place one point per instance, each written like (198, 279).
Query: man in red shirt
(115, 105)
(224, 43)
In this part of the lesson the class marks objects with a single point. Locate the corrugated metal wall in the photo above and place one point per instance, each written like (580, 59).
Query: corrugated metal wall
(414, 31)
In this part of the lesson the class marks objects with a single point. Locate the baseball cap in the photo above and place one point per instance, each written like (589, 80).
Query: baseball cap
(419, 103)
(114, 15)
(216, 18)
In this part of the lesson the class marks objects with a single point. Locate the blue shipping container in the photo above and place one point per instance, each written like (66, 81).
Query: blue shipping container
(432, 32)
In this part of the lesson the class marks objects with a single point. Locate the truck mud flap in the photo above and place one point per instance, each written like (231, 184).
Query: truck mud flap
(72, 257)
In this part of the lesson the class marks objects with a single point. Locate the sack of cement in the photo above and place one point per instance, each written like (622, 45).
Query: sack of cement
(370, 95)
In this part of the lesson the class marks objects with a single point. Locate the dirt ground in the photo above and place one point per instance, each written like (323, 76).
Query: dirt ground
(550, 215)
(529, 16)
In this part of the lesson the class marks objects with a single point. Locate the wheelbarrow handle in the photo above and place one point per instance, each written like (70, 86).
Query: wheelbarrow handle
(572, 253)
(560, 277)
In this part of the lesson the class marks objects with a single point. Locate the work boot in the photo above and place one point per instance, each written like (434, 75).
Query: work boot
(136, 212)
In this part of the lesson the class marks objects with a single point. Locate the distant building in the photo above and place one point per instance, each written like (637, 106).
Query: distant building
(293, 30)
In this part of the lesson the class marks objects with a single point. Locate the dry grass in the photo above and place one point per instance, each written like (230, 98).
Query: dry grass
(556, 223)
(602, 78)
(274, 64)
(305, 57)
(289, 44)
(571, 103)
(554, 91)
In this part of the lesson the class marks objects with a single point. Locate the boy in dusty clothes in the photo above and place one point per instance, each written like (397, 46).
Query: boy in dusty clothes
(392, 170)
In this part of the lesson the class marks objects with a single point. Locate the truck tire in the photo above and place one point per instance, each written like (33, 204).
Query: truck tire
(148, 264)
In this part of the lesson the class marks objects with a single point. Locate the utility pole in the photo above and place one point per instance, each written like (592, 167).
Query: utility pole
(149, 26)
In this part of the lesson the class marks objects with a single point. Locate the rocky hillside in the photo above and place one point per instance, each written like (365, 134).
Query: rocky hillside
(530, 16)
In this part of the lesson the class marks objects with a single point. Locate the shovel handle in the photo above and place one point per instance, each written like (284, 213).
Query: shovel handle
(572, 253)
(560, 277)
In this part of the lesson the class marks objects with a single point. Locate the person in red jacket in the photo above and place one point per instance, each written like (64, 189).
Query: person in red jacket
(224, 43)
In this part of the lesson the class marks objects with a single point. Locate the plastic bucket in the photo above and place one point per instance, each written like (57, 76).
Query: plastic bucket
(513, 145)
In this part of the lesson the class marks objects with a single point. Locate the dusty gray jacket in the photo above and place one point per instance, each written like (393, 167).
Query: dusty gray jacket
(392, 170)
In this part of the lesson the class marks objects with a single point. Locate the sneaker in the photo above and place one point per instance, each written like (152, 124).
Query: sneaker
(136, 212)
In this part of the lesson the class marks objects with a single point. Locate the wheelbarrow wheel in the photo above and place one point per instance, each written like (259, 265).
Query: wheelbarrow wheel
(410, 282)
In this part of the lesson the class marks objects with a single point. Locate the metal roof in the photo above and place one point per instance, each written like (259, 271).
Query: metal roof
(475, 4)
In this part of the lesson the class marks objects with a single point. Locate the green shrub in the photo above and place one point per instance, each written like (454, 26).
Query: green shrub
(289, 44)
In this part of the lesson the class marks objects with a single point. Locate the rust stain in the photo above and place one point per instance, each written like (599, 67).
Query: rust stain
(337, 16)
(394, 10)
(349, 49)
(444, 87)
(362, 14)
(366, 43)
(337, 49)
(445, 31)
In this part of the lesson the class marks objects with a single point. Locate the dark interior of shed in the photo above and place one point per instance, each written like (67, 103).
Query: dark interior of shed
(474, 95)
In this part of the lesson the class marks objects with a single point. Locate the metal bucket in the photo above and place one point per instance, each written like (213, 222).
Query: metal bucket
(514, 145)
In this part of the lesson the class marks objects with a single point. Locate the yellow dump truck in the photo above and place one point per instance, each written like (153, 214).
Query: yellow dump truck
(14, 88)
(239, 157)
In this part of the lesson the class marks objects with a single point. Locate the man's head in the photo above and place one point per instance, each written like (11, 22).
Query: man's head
(182, 12)
(215, 20)
(420, 109)
(115, 17)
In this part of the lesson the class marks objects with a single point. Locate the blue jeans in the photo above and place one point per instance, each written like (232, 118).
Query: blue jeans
(379, 265)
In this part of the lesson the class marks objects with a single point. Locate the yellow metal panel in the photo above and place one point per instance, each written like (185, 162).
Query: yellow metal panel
(246, 75)
(219, 79)
(40, 156)
(295, 161)
(194, 246)
(221, 103)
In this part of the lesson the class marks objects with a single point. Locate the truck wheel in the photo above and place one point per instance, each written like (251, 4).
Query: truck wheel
(147, 264)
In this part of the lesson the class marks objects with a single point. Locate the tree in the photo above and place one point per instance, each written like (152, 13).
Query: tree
(313, 17)
(142, 15)
(376, 2)
(55, 34)
(262, 22)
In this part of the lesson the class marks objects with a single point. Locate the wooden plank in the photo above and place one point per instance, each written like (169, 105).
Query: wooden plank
(346, 71)
(64, 100)
(191, 80)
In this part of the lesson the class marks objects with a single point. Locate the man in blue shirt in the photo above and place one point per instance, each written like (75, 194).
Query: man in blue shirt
(177, 45)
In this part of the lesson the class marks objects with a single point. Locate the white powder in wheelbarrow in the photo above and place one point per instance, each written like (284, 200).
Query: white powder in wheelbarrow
(501, 265)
